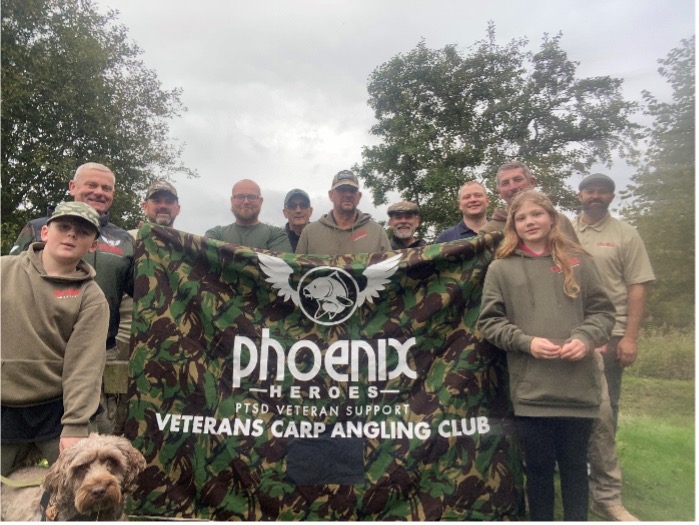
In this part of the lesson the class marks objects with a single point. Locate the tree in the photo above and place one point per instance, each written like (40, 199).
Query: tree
(445, 118)
(74, 90)
(662, 208)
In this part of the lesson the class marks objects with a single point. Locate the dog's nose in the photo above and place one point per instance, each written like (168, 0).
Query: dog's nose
(98, 492)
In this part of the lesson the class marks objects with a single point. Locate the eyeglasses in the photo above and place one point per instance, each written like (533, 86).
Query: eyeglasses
(298, 206)
(242, 196)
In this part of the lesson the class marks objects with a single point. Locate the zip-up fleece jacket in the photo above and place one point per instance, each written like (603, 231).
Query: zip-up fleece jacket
(52, 338)
(523, 298)
(324, 237)
(113, 261)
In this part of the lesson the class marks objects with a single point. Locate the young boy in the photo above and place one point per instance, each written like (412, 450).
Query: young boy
(53, 327)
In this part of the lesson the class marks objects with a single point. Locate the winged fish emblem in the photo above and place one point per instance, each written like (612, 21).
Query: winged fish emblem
(331, 292)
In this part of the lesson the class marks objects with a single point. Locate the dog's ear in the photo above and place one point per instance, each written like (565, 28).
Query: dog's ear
(57, 484)
(57, 477)
(135, 462)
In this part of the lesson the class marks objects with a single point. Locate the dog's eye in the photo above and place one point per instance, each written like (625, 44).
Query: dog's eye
(111, 463)
(81, 469)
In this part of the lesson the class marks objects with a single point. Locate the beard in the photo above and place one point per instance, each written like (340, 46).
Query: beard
(164, 221)
(595, 209)
(403, 233)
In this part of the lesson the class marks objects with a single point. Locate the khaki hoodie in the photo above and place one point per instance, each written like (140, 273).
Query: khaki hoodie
(52, 338)
(324, 237)
(522, 298)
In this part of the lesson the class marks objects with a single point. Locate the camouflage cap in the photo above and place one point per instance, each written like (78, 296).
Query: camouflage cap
(77, 209)
(344, 178)
(161, 185)
(403, 207)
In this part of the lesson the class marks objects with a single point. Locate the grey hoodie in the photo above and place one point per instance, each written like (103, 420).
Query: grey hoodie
(324, 237)
(522, 298)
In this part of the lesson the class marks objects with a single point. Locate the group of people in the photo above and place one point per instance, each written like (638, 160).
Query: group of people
(564, 299)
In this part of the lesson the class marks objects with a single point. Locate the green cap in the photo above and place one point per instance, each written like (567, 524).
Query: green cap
(77, 209)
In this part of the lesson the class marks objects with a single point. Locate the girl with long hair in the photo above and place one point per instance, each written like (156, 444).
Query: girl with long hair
(544, 304)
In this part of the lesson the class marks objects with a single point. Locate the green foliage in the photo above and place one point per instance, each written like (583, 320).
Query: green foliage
(667, 355)
(663, 195)
(445, 117)
(74, 90)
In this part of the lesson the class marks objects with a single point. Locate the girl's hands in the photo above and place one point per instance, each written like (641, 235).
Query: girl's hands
(542, 348)
(572, 350)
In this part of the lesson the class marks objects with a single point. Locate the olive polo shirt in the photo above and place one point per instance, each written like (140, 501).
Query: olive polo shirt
(620, 257)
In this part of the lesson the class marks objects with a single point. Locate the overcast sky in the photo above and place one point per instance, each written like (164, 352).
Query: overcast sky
(276, 89)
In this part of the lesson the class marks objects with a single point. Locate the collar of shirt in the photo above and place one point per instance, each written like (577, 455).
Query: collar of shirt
(598, 226)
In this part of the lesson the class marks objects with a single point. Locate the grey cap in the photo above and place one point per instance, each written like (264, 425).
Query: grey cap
(293, 192)
(344, 178)
(403, 207)
(77, 209)
(161, 185)
(597, 179)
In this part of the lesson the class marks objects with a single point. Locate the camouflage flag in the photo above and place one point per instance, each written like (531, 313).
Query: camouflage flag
(271, 386)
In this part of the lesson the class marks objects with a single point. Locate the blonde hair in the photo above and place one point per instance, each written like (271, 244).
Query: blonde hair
(561, 246)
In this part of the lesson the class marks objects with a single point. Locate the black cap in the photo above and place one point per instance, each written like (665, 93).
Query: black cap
(597, 179)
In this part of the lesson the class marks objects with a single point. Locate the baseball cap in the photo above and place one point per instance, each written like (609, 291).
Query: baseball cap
(403, 207)
(344, 178)
(77, 209)
(161, 185)
(599, 179)
(293, 192)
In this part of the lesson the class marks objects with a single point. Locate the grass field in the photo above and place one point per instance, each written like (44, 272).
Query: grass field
(655, 444)
(656, 437)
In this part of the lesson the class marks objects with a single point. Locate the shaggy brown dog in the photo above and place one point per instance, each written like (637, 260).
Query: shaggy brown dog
(88, 482)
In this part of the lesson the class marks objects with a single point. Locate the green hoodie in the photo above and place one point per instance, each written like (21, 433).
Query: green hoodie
(522, 298)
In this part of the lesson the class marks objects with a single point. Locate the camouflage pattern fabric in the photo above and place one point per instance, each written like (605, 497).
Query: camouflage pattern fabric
(268, 386)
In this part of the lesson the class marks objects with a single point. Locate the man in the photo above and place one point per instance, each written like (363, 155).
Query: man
(511, 178)
(404, 220)
(247, 230)
(345, 229)
(623, 264)
(473, 202)
(297, 210)
(113, 260)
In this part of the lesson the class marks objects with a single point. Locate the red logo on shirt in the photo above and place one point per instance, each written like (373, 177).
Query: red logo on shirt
(606, 244)
(358, 235)
(66, 294)
(574, 261)
(104, 247)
